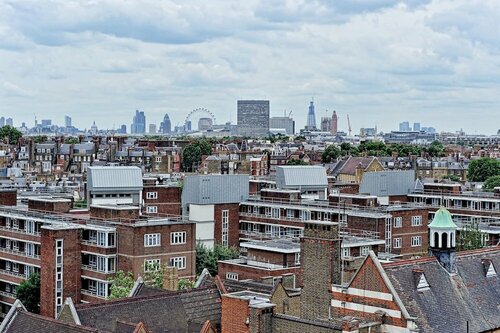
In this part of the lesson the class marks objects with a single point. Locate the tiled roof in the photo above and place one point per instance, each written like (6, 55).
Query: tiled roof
(185, 311)
(25, 322)
(451, 300)
(349, 167)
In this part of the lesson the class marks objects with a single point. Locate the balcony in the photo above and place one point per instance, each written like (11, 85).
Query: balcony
(6, 294)
(92, 293)
(12, 273)
(19, 253)
(20, 231)
(95, 269)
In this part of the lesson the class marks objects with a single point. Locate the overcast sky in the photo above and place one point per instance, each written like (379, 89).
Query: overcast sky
(380, 61)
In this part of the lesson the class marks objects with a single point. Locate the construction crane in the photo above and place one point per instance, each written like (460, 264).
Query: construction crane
(349, 124)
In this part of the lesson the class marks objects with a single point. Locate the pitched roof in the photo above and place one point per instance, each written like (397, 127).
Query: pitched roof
(25, 322)
(451, 300)
(352, 163)
(184, 311)
(443, 219)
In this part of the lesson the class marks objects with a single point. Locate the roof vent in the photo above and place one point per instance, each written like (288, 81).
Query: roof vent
(421, 281)
(489, 269)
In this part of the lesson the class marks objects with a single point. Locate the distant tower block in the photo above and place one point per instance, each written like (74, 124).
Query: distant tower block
(311, 117)
(334, 123)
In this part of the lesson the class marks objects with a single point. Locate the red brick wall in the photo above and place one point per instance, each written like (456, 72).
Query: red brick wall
(234, 226)
(235, 313)
(131, 251)
(125, 215)
(50, 206)
(168, 200)
(272, 257)
(72, 261)
(8, 197)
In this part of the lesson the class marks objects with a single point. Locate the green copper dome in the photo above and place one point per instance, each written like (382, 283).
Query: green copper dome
(442, 219)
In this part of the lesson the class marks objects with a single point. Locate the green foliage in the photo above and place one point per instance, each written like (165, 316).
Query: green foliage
(122, 284)
(482, 169)
(191, 156)
(296, 162)
(28, 293)
(71, 140)
(491, 183)
(470, 238)
(39, 138)
(299, 138)
(330, 154)
(185, 284)
(10, 133)
(347, 149)
(453, 178)
(435, 149)
(208, 258)
(373, 148)
(154, 274)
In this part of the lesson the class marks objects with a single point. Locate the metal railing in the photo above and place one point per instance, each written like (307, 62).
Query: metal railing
(19, 253)
(19, 231)
(6, 294)
(91, 293)
(95, 269)
(12, 273)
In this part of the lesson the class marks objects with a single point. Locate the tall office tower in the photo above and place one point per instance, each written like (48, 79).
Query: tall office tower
(404, 126)
(9, 122)
(2, 121)
(139, 123)
(205, 124)
(152, 129)
(67, 121)
(166, 125)
(416, 127)
(326, 124)
(253, 118)
(311, 117)
(286, 123)
(123, 129)
(334, 123)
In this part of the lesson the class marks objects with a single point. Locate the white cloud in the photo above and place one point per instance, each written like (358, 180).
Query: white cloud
(379, 61)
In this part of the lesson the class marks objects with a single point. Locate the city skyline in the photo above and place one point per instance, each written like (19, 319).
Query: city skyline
(431, 61)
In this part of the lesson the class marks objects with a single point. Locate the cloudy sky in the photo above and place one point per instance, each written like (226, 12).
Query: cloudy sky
(380, 61)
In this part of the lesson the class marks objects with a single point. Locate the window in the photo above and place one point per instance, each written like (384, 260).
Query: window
(152, 240)
(30, 227)
(232, 276)
(151, 265)
(101, 264)
(15, 267)
(398, 243)
(398, 222)
(364, 250)
(101, 238)
(158, 159)
(290, 213)
(346, 252)
(152, 195)
(178, 237)
(152, 209)
(268, 211)
(416, 241)
(297, 258)
(225, 227)
(416, 221)
(275, 212)
(29, 249)
(179, 262)
(111, 264)
(255, 209)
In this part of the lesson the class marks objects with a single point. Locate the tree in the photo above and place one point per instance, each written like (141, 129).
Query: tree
(10, 133)
(296, 162)
(154, 274)
(71, 140)
(208, 258)
(491, 183)
(185, 284)
(330, 154)
(435, 149)
(483, 168)
(470, 238)
(453, 178)
(191, 156)
(122, 284)
(28, 293)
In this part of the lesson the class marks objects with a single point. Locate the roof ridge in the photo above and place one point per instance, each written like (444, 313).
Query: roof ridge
(409, 262)
(135, 299)
(58, 322)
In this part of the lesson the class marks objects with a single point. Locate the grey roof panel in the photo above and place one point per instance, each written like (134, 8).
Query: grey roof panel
(302, 177)
(385, 183)
(114, 177)
(215, 189)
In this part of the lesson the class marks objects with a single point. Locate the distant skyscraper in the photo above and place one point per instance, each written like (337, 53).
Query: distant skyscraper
(139, 123)
(416, 127)
(286, 123)
(205, 124)
(311, 117)
(2, 121)
(326, 124)
(46, 122)
(253, 118)
(334, 128)
(152, 129)
(9, 122)
(67, 121)
(166, 125)
(123, 129)
(404, 126)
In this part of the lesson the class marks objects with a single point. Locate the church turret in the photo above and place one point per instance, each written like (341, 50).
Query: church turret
(442, 239)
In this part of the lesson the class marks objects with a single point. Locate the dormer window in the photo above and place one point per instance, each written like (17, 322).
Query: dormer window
(489, 268)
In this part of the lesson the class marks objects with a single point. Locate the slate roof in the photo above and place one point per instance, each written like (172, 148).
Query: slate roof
(185, 311)
(349, 167)
(452, 300)
(25, 322)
